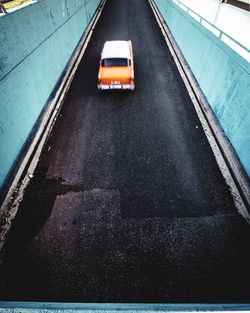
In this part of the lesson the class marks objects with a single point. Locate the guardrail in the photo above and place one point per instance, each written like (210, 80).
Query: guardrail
(215, 94)
(227, 39)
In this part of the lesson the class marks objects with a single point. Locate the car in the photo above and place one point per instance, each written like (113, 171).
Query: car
(116, 69)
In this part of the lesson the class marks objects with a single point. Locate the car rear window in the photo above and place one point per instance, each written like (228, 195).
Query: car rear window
(116, 62)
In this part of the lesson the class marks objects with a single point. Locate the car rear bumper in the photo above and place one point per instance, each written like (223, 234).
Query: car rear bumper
(125, 86)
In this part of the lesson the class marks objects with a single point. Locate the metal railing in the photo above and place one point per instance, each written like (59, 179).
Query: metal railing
(227, 39)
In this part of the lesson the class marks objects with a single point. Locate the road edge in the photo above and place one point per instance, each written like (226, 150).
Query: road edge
(226, 157)
(29, 162)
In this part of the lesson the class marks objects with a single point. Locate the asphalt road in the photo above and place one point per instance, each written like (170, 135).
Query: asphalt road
(240, 4)
(127, 203)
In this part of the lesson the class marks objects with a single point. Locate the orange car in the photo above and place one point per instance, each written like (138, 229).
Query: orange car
(116, 69)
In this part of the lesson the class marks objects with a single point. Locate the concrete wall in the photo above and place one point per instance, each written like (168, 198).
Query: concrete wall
(36, 42)
(223, 74)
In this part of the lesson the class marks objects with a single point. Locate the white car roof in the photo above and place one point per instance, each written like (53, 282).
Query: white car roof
(116, 49)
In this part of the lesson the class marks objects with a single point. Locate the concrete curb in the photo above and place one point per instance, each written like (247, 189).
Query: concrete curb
(25, 172)
(121, 307)
(226, 157)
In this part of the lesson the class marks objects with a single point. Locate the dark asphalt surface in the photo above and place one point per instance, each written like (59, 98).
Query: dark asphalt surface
(239, 4)
(127, 203)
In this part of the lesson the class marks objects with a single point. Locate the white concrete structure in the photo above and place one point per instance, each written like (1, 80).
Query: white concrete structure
(232, 24)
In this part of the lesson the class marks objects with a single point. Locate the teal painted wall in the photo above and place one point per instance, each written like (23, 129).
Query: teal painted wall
(36, 42)
(222, 74)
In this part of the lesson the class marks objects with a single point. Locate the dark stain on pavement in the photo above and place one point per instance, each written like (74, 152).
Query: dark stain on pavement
(36, 207)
